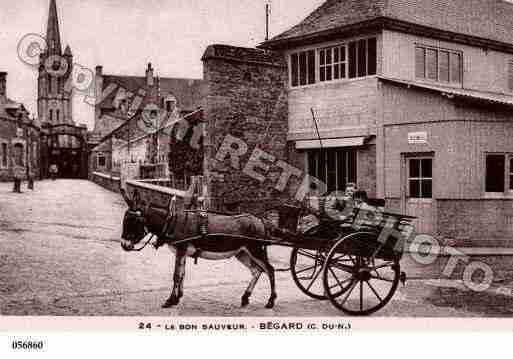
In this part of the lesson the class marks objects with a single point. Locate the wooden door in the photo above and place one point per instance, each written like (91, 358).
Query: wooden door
(418, 192)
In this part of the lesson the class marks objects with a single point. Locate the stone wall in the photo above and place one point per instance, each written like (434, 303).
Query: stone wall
(246, 104)
(155, 193)
(106, 181)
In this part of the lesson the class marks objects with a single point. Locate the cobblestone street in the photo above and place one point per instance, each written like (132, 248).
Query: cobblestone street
(60, 255)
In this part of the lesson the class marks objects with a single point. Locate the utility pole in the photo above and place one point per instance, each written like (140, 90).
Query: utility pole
(267, 11)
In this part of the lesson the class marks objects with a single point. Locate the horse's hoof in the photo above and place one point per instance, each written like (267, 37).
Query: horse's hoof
(244, 302)
(171, 302)
(270, 303)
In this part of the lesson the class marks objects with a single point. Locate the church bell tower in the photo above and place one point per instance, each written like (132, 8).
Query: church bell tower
(54, 100)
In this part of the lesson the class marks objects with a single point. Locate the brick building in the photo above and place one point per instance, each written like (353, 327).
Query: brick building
(19, 138)
(413, 102)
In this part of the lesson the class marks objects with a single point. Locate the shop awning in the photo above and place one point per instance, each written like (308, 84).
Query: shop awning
(330, 143)
(482, 97)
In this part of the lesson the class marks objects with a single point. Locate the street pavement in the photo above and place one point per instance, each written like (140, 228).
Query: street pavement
(60, 255)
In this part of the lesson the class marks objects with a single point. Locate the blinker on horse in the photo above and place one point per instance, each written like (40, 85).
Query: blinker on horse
(186, 233)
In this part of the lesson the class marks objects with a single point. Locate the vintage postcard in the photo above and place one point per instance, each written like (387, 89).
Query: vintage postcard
(255, 166)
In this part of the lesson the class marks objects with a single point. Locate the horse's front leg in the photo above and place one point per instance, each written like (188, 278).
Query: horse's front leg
(178, 276)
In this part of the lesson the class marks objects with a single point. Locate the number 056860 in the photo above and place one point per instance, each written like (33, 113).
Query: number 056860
(27, 345)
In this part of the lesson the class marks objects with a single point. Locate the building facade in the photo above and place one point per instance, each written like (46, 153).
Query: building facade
(412, 101)
(64, 142)
(19, 139)
(134, 121)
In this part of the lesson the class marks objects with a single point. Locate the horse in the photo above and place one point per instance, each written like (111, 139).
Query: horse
(175, 227)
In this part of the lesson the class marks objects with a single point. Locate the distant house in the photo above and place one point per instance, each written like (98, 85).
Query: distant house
(134, 120)
(119, 97)
(19, 138)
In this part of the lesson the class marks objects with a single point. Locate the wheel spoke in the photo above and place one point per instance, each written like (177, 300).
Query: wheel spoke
(344, 267)
(387, 264)
(307, 268)
(383, 279)
(351, 288)
(309, 255)
(338, 280)
(314, 279)
(339, 284)
(361, 295)
(342, 256)
(374, 291)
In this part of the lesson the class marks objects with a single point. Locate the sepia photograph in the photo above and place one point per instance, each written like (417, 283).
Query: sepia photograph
(232, 166)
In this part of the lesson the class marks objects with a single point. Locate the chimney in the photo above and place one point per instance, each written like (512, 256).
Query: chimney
(149, 75)
(3, 84)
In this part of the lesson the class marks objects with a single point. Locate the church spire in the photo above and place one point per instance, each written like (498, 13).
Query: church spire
(53, 36)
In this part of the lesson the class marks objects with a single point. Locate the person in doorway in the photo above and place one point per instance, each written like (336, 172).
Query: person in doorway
(54, 170)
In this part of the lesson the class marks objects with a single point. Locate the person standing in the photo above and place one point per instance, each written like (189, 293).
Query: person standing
(18, 174)
(54, 170)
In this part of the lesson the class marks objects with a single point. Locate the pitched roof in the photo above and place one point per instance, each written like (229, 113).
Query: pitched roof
(486, 19)
(332, 14)
(188, 92)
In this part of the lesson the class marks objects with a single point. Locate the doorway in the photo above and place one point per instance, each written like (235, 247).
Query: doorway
(417, 191)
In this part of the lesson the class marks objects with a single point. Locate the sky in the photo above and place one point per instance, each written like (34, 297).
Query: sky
(124, 35)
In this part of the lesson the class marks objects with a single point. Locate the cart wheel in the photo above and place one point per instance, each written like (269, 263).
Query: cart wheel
(367, 283)
(306, 266)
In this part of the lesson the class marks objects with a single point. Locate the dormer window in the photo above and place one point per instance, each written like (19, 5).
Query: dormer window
(439, 65)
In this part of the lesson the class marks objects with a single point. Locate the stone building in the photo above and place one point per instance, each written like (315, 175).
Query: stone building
(413, 102)
(409, 99)
(246, 110)
(134, 120)
(120, 97)
(19, 138)
(64, 143)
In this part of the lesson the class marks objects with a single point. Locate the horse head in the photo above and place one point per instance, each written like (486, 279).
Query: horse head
(134, 228)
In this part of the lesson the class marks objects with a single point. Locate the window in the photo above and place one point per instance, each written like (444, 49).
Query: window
(101, 161)
(334, 166)
(495, 172)
(420, 177)
(58, 115)
(356, 59)
(18, 155)
(444, 66)
(303, 68)
(511, 174)
(420, 62)
(438, 64)
(4, 156)
(51, 116)
(510, 76)
(350, 60)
